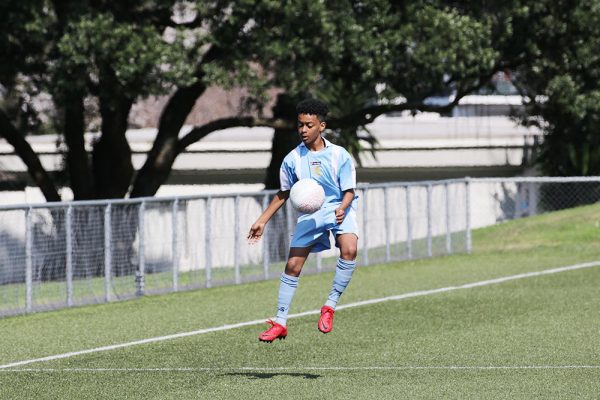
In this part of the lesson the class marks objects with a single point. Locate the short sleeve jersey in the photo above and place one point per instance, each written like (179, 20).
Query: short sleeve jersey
(332, 167)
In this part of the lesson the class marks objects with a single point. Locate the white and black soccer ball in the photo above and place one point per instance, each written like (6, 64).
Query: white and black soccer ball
(307, 196)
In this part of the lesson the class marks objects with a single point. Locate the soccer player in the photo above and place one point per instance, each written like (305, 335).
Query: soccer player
(332, 167)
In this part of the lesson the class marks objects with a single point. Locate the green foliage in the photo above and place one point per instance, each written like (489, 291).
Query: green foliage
(352, 53)
(142, 60)
(25, 30)
(572, 115)
(441, 46)
(24, 34)
(302, 46)
(562, 78)
(343, 98)
(343, 51)
(270, 43)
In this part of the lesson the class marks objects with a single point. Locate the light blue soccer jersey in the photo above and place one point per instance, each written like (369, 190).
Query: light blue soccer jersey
(332, 168)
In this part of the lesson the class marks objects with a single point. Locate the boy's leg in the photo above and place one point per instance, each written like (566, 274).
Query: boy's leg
(289, 281)
(310, 234)
(346, 264)
(287, 288)
(344, 268)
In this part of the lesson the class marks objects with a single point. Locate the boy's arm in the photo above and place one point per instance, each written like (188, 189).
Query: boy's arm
(340, 212)
(258, 228)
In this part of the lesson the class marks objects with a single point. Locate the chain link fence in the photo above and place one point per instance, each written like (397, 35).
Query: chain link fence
(498, 199)
(65, 254)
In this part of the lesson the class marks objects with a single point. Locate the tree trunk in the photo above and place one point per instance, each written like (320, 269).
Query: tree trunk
(80, 175)
(284, 140)
(112, 166)
(25, 152)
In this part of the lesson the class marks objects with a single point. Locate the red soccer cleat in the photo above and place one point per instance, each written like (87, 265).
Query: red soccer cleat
(326, 321)
(276, 331)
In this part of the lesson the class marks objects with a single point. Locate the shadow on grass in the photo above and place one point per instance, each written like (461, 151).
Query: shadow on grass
(269, 375)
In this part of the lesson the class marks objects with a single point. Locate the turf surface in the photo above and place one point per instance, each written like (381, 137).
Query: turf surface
(530, 338)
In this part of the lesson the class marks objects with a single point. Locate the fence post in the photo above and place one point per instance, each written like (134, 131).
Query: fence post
(386, 217)
(319, 261)
(518, 211)
(69, 256)
(174, 246)
(107, 253)
(208, 243)
(408, 224)
(533, 198)
(139, 278)
(468, 244)
(365, 236)
(265, 241)
(289, 219)
(28, 261)
(429, 222)
(236, 240)
(448, 224)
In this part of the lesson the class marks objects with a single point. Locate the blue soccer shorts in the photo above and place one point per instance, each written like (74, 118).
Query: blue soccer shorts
(312, 230)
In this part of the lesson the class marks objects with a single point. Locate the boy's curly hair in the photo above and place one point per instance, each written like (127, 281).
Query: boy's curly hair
(314, 107)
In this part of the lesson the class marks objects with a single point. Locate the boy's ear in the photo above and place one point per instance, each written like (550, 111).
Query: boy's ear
(323, 124)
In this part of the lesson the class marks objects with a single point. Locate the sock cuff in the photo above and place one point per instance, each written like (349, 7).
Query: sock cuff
(291, 281)
(346, 264)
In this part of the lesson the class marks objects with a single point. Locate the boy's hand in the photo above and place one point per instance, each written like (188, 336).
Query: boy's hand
(340, 213)
(256, 232)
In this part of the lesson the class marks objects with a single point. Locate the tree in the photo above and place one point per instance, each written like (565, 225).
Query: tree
(391, 58)
(373, 53)
(20, 44)
(559, 77)
(562, 83)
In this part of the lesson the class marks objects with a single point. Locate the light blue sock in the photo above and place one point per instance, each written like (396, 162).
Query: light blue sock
(287, 288)
(343, 274)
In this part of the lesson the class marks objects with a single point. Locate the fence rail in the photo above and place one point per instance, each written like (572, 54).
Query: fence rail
(57, 255)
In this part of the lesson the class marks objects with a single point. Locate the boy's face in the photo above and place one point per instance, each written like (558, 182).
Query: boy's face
(309, 128)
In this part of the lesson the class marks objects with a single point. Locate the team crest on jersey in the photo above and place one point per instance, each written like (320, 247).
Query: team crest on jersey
(315, 168)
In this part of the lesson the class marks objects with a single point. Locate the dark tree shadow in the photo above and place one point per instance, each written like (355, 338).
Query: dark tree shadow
(269, 375)
(506, 202)
(12, 259)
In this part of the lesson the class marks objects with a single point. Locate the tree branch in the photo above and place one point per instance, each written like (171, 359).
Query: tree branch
(368, 114)
(200, 132)
(357, 118)
(161, 156)
(28, 156)
(195, 23)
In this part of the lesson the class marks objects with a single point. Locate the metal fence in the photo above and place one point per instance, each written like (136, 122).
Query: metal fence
(64, 254)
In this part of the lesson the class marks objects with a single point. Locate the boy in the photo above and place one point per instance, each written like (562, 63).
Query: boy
(332, 167)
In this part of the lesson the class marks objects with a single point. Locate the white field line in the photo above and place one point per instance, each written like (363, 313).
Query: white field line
(308, 368)
(303, 314)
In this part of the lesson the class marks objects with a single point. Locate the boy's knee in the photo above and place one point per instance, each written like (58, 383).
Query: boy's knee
(348, 252)
(293, 268)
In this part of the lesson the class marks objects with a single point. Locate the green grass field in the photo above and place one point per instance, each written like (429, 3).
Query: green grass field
(535, 337)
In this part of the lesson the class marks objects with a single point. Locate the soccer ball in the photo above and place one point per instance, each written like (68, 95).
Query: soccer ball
(307, 196)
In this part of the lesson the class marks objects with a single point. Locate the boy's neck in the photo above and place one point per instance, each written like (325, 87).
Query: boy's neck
(318, 144)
